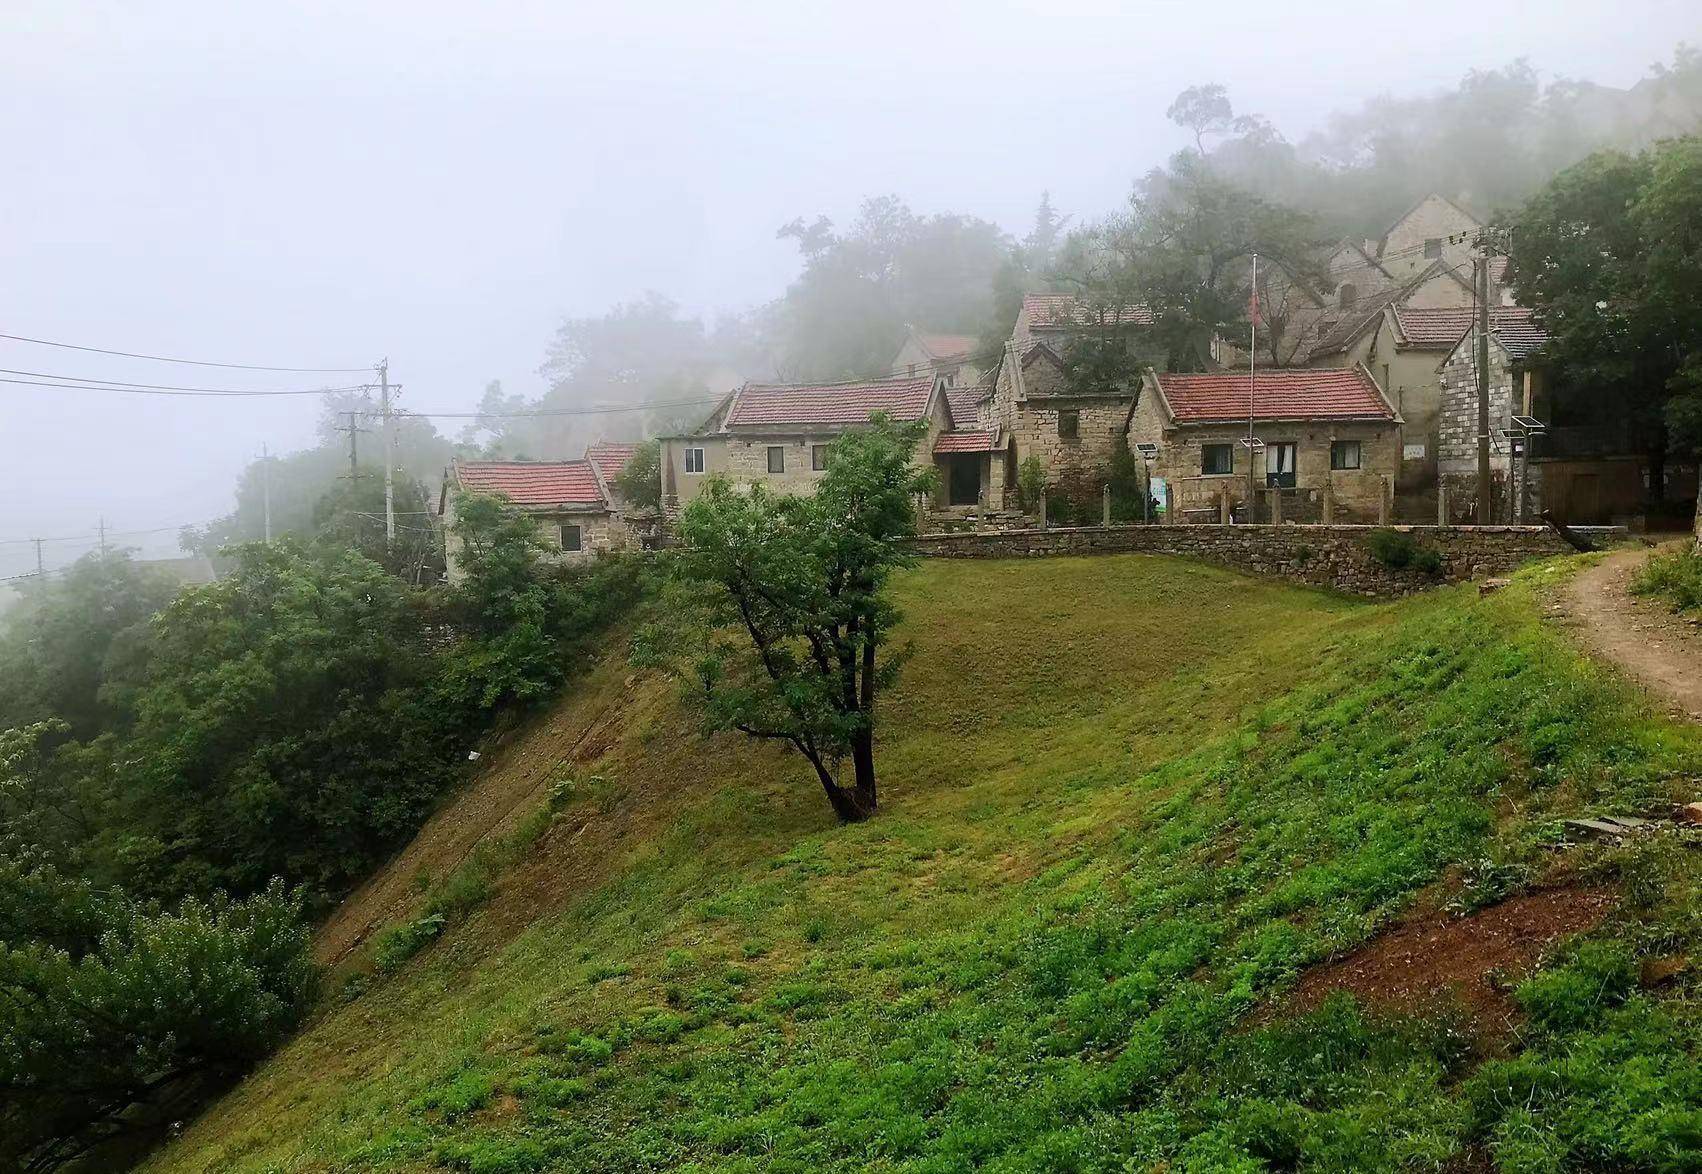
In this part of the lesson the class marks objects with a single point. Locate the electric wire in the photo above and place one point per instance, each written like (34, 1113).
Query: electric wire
(188, 362)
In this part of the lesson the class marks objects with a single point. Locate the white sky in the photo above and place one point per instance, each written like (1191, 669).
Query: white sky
(323, 184)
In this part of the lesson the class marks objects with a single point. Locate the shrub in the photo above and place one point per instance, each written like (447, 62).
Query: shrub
(402, 942)
(1392, 548)
(1677, 577)
(1031, 483)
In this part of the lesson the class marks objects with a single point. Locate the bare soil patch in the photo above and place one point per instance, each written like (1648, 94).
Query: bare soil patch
(1466, 961)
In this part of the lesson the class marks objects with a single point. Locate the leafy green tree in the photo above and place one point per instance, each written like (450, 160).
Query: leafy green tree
(350, 516)
(789, 597)
(640, 479)
(109, 1012)
(1609, 257)
(844, 315)
(1184, 252)
(55, 646)
(282, 730)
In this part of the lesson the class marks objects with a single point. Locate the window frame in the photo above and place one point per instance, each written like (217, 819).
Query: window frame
(818, 458)
(1337, 461)
(1347, 295)
(1073, 431)
(697, 472)
(1432, 247)
(578, 537)
(1228, 447)
(777, 451)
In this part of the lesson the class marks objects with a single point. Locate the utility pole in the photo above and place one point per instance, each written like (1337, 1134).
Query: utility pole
(1484, 514)
(352, 428)
(389, 453)
(103, 535)
(39, 569)
(1252, 362)
(266, 490)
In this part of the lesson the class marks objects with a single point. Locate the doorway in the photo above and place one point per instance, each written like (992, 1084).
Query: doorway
(963, 479)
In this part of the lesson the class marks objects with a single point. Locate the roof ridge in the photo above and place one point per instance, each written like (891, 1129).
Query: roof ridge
(846, 382)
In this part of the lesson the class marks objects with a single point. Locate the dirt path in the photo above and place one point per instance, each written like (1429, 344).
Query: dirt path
(1659, 650)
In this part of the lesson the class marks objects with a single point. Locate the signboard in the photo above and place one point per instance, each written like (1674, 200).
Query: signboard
(1158, 492)
(1412, 452)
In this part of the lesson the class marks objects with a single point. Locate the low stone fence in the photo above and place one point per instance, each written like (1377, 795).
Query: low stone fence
(1323, 556)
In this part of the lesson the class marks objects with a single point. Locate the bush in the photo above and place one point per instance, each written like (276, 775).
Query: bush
(402, 942)
(1392, 548)
(1677, 577)
(1399, 551)
(112, 1025)
(1031, 483)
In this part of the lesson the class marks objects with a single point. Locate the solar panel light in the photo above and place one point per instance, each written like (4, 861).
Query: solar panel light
(1252, 442)
(1530, 424)
(1511, 433)
(1147, 449)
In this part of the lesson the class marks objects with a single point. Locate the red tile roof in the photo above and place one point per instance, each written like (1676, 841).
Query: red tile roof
(962, 402)
(903, 399)
(965, 442)
(947, 346)
(1442, 329)
(1289, 394)
(534, 483)
(610, 458)
(1058, 311)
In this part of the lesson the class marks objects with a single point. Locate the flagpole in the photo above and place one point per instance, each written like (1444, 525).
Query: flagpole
(1252, 359)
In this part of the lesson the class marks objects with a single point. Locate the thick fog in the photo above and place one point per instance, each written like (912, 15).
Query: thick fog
(328, 184)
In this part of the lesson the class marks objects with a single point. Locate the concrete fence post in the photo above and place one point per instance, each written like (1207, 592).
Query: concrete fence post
(1169, 504)
(1043, 509)
(1329, 504)
(1223, 504)
(1386, 485)
(1442, 504)
(1105, 510)
(1276, 506)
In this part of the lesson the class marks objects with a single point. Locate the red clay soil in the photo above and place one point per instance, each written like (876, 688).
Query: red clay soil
(1441, 959)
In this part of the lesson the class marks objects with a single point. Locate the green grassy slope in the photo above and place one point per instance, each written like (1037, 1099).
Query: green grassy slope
(1126, 801)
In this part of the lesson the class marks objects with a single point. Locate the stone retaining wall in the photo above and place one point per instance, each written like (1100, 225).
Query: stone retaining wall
(1323, 556)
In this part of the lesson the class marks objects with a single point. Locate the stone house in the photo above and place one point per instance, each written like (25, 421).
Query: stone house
(569, 500)
(1427, 248)
(778, 435)
(953, 357)
(1032, 411)
(1327, 444)
(1515, 387)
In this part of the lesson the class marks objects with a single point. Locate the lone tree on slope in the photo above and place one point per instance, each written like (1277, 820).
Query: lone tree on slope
(787, 599)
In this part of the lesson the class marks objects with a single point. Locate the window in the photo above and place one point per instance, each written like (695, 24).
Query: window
(1217, 459)
(1279, 464)
(694, 460)
(1344, 454)
(776, 458)
(1347, 295)
(818, 457)
(951, 377)
(570, 538)
(1069, 423)
(1433, 247)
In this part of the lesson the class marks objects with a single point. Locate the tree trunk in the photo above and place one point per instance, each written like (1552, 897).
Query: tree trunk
(855, 803)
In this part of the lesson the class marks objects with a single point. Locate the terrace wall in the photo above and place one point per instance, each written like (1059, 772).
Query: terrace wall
(1323, 556)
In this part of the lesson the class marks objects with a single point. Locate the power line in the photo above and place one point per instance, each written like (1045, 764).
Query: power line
(163, 389)
(682, 403)
(190, 362)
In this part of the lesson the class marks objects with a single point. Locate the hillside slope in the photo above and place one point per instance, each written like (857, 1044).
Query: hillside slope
(1126, 802)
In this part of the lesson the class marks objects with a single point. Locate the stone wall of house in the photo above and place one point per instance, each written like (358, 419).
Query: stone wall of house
(1357, 494)
(1456, 428)
(1324, 556)
(599, 531)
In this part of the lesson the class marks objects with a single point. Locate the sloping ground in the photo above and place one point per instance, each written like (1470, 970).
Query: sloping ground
(1127, 801)
(1660, 651)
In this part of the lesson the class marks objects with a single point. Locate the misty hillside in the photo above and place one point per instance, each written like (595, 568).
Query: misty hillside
(1091, 928)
